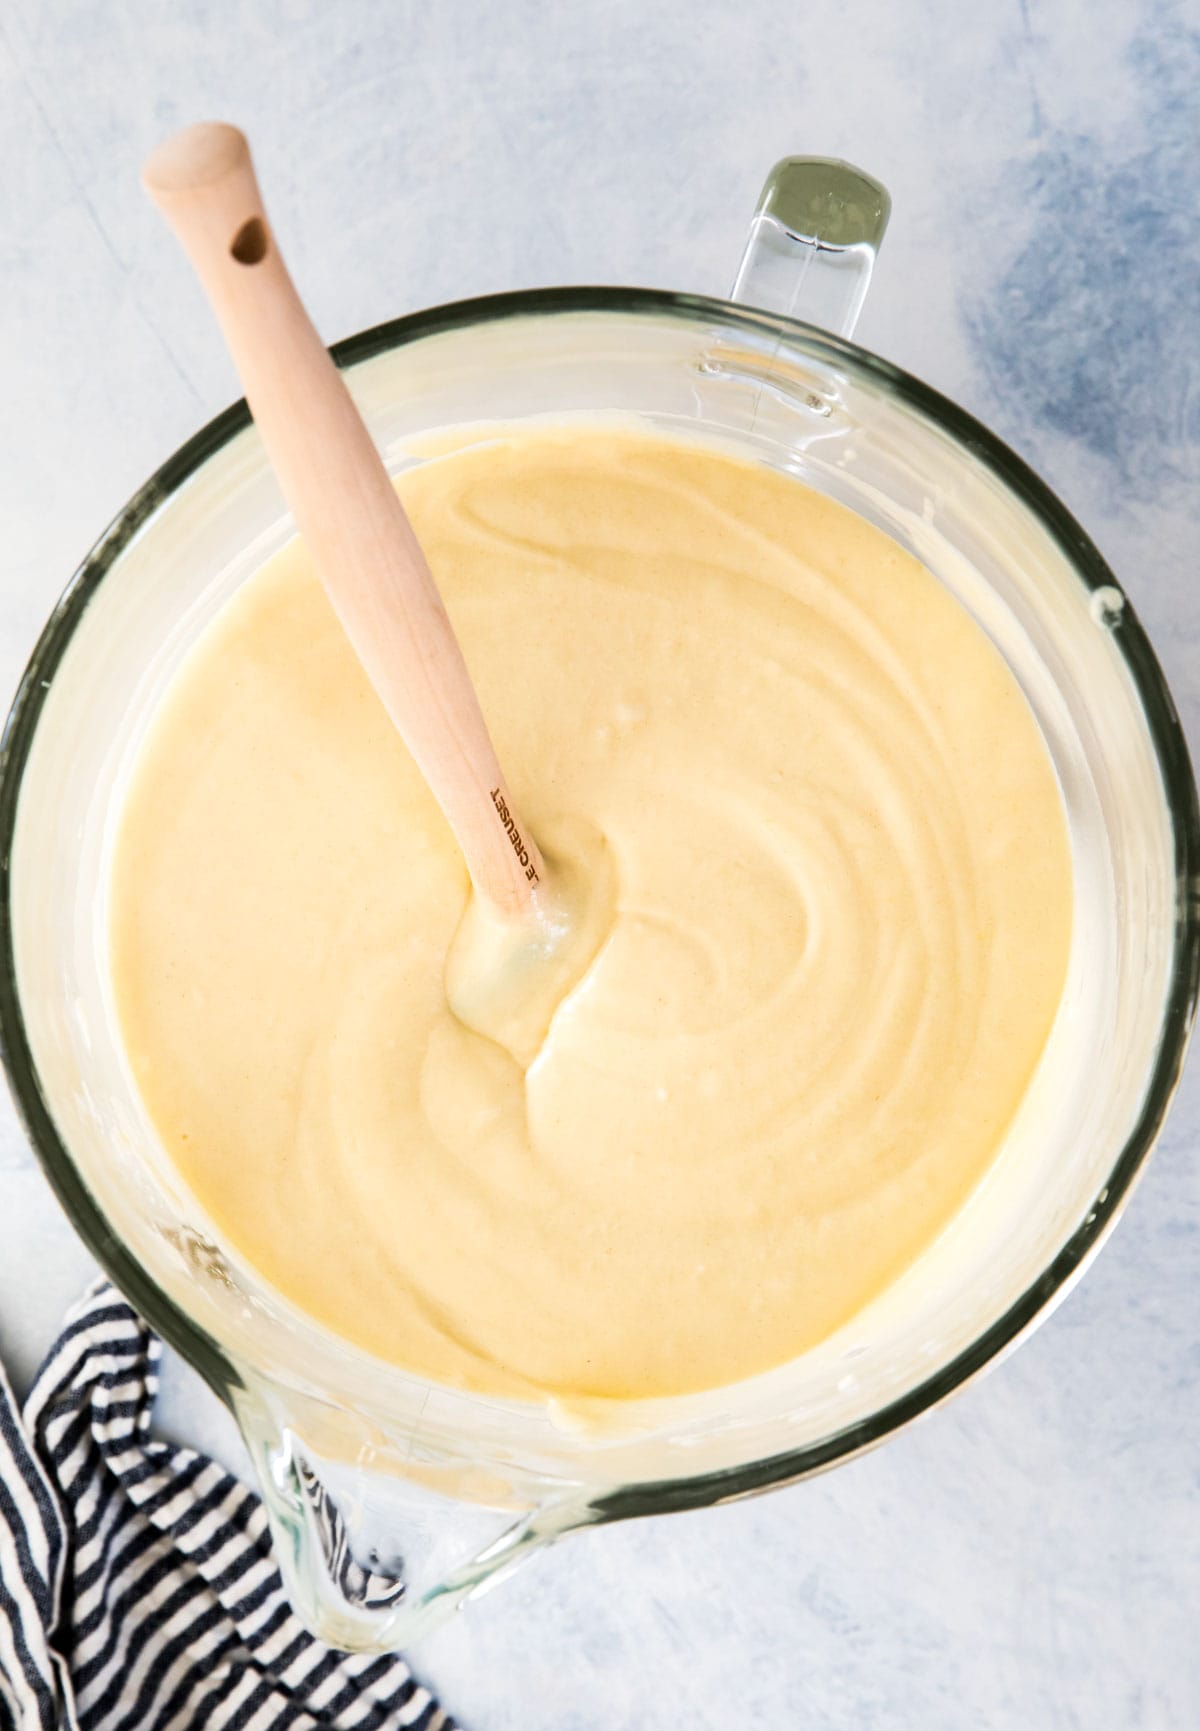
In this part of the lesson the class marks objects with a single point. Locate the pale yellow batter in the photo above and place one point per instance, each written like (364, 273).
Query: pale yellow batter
(843, 910)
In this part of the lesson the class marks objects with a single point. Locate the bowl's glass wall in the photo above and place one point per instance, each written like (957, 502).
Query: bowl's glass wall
(787, 400)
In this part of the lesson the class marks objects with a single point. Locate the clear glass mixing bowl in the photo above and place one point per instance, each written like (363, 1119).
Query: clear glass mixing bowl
(392, 1499)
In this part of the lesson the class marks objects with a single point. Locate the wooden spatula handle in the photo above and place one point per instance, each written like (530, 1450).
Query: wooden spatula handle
(347, 510)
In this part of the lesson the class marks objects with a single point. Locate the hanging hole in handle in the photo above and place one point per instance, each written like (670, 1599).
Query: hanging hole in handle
(249, 244)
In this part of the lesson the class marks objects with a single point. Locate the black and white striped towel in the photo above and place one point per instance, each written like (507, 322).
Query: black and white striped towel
(138, 1591)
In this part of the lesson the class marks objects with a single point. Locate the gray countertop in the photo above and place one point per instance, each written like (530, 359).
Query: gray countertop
(1030, 1556)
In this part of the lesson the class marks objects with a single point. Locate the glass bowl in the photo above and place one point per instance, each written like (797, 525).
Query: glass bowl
(392, 1499)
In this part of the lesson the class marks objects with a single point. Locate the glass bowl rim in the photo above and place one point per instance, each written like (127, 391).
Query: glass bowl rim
(1035, 1302)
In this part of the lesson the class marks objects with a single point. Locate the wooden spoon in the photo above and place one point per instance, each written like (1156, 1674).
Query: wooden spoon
(352, 522)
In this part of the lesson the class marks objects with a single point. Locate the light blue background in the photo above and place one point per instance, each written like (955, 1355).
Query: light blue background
(1031, 1556)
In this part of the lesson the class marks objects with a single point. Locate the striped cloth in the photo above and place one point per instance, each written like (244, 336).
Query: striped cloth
(138, 1591)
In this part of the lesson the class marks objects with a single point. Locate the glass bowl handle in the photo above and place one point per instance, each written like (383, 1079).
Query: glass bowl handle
(374, 1549)
(812, 244)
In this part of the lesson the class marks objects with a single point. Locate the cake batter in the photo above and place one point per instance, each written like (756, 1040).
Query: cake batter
(841, 903)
